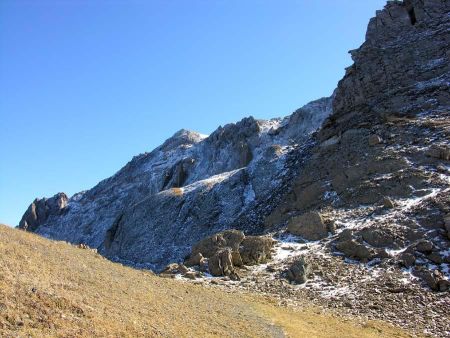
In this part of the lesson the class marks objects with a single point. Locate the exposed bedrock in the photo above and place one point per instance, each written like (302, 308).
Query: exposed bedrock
(161, 203)
(380, 168)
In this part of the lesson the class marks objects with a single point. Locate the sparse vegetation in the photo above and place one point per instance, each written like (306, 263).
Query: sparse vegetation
(277, 149)
(55, 289)
(177, 191)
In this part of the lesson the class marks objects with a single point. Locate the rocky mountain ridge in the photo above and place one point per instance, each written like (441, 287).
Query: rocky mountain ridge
(155, 208)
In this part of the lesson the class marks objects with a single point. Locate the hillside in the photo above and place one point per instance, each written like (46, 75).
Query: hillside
(50, 288)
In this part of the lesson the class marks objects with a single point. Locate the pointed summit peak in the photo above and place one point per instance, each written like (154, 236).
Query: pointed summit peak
(182, 137)
(183, 133)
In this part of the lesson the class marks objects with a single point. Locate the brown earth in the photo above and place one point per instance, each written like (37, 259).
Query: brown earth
(54, 289)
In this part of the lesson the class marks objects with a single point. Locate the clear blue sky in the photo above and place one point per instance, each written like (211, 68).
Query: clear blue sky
(85, 85)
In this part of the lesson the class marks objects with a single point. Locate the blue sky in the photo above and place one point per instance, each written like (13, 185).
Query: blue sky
(86, 85)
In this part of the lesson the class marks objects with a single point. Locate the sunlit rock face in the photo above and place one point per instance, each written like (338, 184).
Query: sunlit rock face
(403, 66)
(379, 172)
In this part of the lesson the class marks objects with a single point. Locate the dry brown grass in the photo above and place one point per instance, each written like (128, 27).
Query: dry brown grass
(53, 289)
(177, 191)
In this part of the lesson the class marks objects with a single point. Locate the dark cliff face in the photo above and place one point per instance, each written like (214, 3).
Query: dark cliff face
(401, 72)
(402, 68)
(380, 171)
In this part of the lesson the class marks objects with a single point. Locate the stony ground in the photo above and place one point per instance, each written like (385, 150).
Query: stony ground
(381, 291)
(53, 289)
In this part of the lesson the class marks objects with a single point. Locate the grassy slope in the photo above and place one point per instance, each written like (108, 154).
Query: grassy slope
(52, 289)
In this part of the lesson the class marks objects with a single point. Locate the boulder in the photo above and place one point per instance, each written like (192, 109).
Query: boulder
(447, 224)
(433, 279)
(190, 275)
(221, 263)
(442, 169)
(377, 237)
(175, 268)
(332, 141)
(310, 226)
(210, 245)
(435, 257)
(298, 271)
(441, 152)
(380, 253)
(443, 285)
(407, 259)
(345, 235)
(308, 195)
(353, 249)
(388, 203)
(195, 259)
(424, 246)
(374, 139)
(256, 249)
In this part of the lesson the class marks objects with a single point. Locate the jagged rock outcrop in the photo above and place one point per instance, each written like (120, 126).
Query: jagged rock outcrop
(229, 249)
(310, 226)
(380, 166)
(402, 68)
(208, 246)
(41, 209)
(298, 271)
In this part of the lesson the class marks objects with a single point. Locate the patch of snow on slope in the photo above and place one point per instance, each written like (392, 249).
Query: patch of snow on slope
(266, 125)
(210, 181)
(249, 194)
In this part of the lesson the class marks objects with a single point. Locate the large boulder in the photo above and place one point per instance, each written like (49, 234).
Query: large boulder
(298, 271)
(447, 224)
(377, 237)
(423, 246)
(174, 268)
(441, 152)
(374, 139)
(310, 226)
(228, 249)
(210, 245)
(434, 279)
(256, 249)
(407, 259)
(221, 263)
(353, 249)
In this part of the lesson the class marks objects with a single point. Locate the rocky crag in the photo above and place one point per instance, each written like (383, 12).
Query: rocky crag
(355, 216)
(154, 209)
